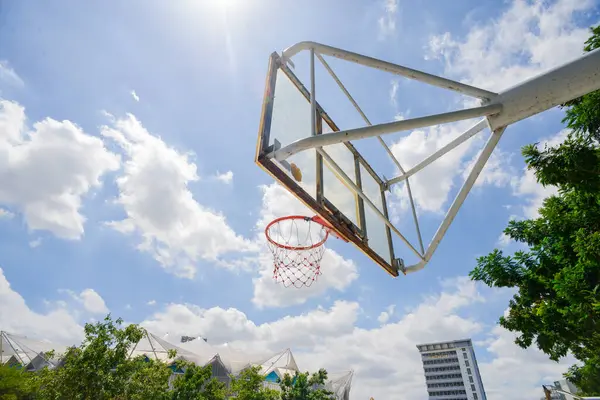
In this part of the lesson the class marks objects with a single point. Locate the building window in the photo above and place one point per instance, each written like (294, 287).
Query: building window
(465, 356)
(467, 363)
(473, 387)
(469, 371)
(470, 379)
(474, 396)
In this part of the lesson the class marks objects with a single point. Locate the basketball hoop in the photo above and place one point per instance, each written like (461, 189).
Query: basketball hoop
(296, 243)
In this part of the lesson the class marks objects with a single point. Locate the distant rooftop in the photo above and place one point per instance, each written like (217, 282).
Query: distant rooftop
(445, 345)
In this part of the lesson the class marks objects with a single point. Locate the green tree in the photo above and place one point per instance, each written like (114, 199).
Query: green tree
(15, 383)
(100, 368)
(249, 385)
(197, 383)
(557, 278)
(304, 386)
(148, 379)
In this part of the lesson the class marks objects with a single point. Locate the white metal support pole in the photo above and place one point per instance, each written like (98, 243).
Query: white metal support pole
(555, 87)
(472, 131)
(313, 100)
(382, 129)
(388, 67)
(461, 196)
(151, 346)
(16, 352)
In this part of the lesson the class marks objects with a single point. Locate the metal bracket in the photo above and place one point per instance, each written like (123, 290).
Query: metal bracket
(287, 60)
(271, 151)
(398, 264)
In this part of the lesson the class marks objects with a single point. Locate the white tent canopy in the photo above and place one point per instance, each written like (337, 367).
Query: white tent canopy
(28, 352)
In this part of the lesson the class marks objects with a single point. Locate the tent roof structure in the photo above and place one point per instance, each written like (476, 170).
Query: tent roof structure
(25, 350)
(279, 362)
(339, 383)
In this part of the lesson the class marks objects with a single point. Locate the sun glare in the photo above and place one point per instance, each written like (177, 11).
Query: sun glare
(227, 3)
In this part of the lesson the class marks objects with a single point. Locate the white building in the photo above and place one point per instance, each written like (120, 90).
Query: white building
(451, 371)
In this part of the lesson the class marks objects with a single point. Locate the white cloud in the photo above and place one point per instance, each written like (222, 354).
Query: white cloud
(527, 187)
(226, 177)
(400, 116)
(35, 243)
(337, 272)
(6, 214)
(135, 96)
(8, 75)
(151, 303)
(384, 317)
(430, 186)
(93, 302)
(496, 172)
(47, 171)
(503, 240)
(394, 84)
(153, 190)
(528, 38)
(534, 368)
(387, 22)
(58, 324)
(220, 325)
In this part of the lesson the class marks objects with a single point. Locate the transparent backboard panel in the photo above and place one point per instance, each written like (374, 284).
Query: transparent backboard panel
(286, 118)
(334, 188)
(377, 231)
(290, 122)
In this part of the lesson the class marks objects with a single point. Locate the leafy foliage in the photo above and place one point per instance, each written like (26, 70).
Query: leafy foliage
(304, 386)
(98, 368)
(249, 386)
(575, 163)
(197, 383)
(15, 384)
(557, 305)
(101, 369)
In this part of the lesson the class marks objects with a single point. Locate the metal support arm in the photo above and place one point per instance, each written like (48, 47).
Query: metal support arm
(555, 87)
(382, 129)
(388, 67)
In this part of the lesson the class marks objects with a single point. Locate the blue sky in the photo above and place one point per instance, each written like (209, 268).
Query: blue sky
(155, 196)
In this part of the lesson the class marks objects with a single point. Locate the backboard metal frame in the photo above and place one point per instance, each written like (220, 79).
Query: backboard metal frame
(498, 110)
(357, 234)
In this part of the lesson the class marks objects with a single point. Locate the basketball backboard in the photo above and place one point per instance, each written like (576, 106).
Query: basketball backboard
(304, 150)
(286, 118)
